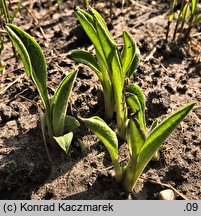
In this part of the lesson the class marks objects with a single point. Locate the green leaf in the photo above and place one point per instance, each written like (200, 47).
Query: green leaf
(2, 67)
(88, 26)
(104, 133)
(18, 43)
(185, 13)
(171, 15)
(135, 63)
(70, 124)
(136, 138)
(64, 141)
(32, 58)
(109, 139)
(158, 135)
(136, 90)
(193, 6)
(198, 18)
(128, 53)
(59, 103)
(106, 40)
(5, 10)
(137, 103)
(98, 17)
(86, 58)
(154, 124)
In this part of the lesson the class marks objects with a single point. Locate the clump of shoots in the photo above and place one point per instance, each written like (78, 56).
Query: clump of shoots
(143, 143)
(59, 125)
(187, 15)
(112, 67)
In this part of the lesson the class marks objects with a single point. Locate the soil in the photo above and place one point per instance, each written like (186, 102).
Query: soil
(169, 74)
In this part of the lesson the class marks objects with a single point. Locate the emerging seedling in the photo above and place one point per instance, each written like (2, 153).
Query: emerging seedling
(187, 15)
(111, 66)
(59, 125)
(142, 142)
(6, 16)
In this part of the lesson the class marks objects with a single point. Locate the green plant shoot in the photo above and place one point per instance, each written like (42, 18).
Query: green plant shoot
(142, 142)
(187, 14)
(111, 66)
(59, 125)
(6, 16)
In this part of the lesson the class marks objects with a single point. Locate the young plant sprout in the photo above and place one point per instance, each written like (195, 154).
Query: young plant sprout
(187, 14)
(111, 66)
(142, 142)
(59, 125)
(6, 16)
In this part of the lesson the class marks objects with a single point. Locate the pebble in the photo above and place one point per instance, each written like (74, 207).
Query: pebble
(167, 194)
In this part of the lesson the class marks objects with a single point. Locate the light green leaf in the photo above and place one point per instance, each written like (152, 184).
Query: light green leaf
(106, 41)
(89, 28)
(136, 90)
(158, 135)
(154, 124)
(98, 17)
(135, 63)
(32, 58)
(59, 103)
(64, 141)
(86, 58)
(2, 67)
(128, 53)
(185, 13)
(193, 6)
(198, 18)
(70, 124)
(104, 133)
(171, 15)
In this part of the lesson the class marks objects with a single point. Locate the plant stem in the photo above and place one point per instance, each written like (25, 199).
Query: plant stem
(121, 110)
(86, 2)
(118, 171)
(178, 20)
(130, 178)
(109, 103)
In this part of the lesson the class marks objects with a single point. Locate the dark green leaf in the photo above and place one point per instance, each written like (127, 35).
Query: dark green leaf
(32, 58)
(136, 137)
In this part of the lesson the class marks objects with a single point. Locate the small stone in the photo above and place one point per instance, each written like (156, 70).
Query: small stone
(167, 194)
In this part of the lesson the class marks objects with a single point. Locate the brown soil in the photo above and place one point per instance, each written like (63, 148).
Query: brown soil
(169, 74)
